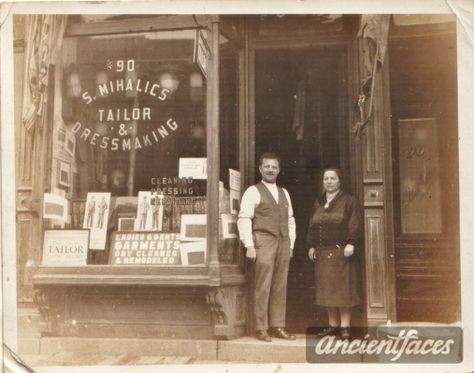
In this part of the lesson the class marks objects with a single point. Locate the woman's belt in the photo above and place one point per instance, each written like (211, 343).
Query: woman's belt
(329, 252)
(329, 247)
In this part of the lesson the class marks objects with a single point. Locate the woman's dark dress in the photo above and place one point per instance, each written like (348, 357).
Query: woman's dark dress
(337, 279)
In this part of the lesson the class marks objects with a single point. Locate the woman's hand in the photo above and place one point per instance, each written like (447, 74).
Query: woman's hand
(348, 250)
(311, 253)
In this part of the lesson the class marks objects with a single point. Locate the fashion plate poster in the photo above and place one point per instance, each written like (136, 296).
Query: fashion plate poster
(96, 218)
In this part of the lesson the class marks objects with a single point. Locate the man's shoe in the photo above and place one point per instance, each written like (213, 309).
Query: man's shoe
(262, 335)
(346, 333)
(281, 333)
(329, 330)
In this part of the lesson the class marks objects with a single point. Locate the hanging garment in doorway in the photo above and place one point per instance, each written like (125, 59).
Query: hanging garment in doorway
(299, 114)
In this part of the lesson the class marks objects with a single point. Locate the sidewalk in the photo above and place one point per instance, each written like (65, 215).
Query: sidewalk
(78, 354)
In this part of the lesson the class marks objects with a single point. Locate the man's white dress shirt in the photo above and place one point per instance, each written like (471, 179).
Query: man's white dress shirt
(250, 200)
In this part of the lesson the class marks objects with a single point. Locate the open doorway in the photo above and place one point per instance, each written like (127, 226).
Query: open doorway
(301, 114)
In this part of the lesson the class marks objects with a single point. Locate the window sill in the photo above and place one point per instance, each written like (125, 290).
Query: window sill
(109, 275)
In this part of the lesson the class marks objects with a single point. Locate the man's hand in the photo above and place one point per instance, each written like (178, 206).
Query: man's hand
(311, 253)
(348, 250)
(251, 253)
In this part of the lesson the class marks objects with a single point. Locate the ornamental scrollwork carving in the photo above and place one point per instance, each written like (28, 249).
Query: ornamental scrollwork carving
(42, 301)
(216, 299)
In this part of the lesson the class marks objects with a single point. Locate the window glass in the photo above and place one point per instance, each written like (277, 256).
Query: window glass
(230, 185)
(132, 135)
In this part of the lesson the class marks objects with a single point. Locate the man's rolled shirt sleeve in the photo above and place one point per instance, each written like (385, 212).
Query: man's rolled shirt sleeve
(291, 221)
(250, 199)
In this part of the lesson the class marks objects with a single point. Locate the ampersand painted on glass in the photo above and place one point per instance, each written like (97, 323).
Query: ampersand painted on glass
(122, 131)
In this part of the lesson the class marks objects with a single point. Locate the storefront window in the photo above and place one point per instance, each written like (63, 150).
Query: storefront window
(230, 181)
(129, 154)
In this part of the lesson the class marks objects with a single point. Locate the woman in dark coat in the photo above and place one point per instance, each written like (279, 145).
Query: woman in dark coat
(334, 232)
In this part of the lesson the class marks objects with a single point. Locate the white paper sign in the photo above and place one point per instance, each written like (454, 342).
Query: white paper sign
(193, 227)
(229, 226)
(64, 177)
(96, 219)
(64, 147)
(234, 179)
(202, 53)
(193, 253)
(195, 168)
(65, 247)
(55, 207)
(234, 199)
(221, 190)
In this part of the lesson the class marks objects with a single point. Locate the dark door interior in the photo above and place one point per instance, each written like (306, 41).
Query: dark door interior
(300, 115)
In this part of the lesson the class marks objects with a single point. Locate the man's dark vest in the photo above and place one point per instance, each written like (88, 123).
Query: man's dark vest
(269, 216)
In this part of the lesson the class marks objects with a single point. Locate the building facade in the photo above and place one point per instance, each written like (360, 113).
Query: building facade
(135, 136)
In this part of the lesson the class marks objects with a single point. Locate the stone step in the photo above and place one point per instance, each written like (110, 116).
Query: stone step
(198, 349)
(89, 352)
(125, 351)
(28, 320)
(29, 345)
(68, 359)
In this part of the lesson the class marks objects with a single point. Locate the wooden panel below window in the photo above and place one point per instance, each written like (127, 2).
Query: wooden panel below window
(375, 262)
(427, 281)
(142, 311)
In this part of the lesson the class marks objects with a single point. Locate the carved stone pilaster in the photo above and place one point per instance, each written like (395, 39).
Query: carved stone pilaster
(43, 302)
(227, 306)
(216, 300)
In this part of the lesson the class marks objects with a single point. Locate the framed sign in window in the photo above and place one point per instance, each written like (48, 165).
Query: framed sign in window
(419, 170)
(202, 52)
(229, 226)
(193, 227)
(145, 248)
(65, 247)
(193, 253)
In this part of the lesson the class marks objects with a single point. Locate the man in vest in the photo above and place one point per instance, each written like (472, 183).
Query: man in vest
(267, 229)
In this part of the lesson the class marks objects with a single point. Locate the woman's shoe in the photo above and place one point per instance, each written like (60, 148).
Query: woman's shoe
(329, 330)
(346, 332)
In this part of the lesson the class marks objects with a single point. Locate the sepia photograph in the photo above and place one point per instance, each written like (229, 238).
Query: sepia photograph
(236, 189)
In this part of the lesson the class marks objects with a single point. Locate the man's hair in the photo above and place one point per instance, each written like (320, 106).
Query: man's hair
(269, 155)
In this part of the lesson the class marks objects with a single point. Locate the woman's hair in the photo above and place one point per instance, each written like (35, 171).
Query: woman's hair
(337, 171)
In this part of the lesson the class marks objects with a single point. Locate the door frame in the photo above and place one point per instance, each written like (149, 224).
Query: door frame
(379, 271)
